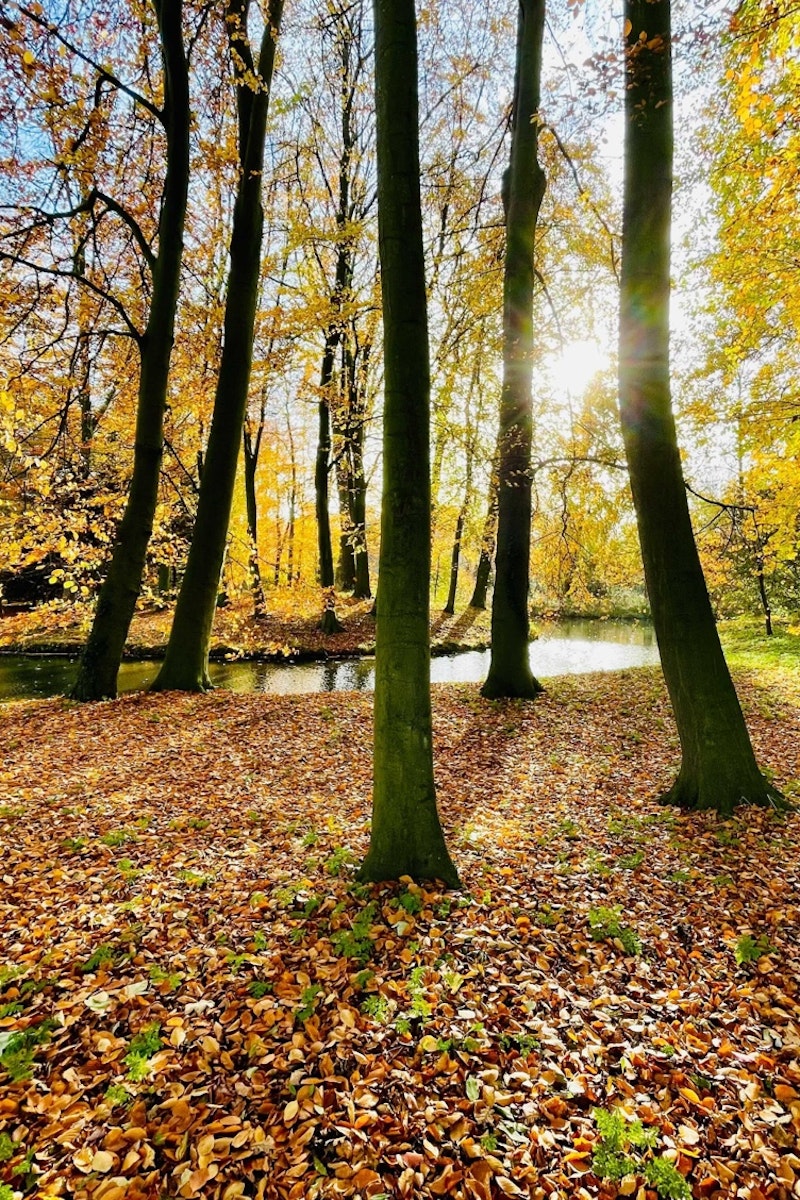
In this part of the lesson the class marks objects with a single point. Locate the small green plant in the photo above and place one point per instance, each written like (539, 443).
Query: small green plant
(342, 857)
(569, 829)
(727, 836)
(680, 876)
(308, 1003)
(595, 864)
(74, 844)
(723, 881)
(144, 1045)
(158, 976)
(701, 1083)
(750, 949)
(194, 878)
(117, 837)
(103, 956)
(664, 1176)
(8, 1147)
(12, 1009)
(356, 942)
(489, 1142)
(629, 862)
(117, 1095)
(18, 1049)
(309, 838)
(127, 870)
(259, 940)
(410, 902)
(259, 987)
(625, 1148)
(522, 1044)
(258, 899)
(376, 1006)
(604, 926)
(547, 917)
(443, 908)
(198, 823)
(6, 1193)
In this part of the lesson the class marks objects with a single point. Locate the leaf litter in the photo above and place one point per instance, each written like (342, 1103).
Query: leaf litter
(198, 1000)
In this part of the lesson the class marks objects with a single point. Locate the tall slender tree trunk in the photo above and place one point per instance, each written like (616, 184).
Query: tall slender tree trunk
(252, 446)
(484, 572)
(329, 622)
(718, 768)
(523, 188)
(406, 836)
(99, 665)
(185, 665)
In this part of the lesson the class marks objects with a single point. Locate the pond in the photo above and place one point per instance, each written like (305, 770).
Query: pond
(563, 648)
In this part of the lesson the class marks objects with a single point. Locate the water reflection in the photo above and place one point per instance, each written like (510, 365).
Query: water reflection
(565, 648)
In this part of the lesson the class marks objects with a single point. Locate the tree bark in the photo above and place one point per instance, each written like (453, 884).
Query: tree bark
(99, 665)
(523, 186)
(252, 447)
(185, 665)
(406, 836)
(718, 769)
(484, 571)
(329, 622)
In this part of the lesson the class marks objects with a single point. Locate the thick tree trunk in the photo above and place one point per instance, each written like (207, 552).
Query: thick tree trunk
(718, 769)
(185, 666)
(329, 622)
(99, 665)
(406, 836)
(523, 186)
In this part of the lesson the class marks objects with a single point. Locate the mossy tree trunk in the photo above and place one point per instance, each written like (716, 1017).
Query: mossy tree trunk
(99, 665)
(406, 837)
(718, 769)
(185, 665)
(523, 187)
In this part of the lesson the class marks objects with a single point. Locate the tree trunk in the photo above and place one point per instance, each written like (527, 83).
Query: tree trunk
(185, 666)
(718, 769)
(99, 665)
(523, 188)
(251, 450)
(329, 622)
(487, 548)
(406, 836)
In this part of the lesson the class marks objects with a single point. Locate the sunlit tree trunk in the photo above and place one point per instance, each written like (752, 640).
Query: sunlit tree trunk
(99, 665)
(524, 185)
(718, 768)
(406, 837)
(185, 666)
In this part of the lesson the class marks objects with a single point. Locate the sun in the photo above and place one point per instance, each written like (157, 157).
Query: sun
(576, 364)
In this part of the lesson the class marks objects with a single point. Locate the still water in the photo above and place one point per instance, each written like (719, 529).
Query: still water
(563, 648)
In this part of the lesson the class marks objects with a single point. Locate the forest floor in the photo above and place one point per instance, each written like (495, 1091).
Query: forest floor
(197, 1000)
(289, 630)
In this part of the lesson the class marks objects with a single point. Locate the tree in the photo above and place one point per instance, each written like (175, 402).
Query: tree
(185, 665)
(406, 836)
(523, 190)
(99, 665)
(718, 768)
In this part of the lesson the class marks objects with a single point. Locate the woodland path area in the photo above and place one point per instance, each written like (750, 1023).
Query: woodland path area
(197, 1000)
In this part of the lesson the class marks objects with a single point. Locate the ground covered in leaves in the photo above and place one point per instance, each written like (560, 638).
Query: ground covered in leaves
(196, 999)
